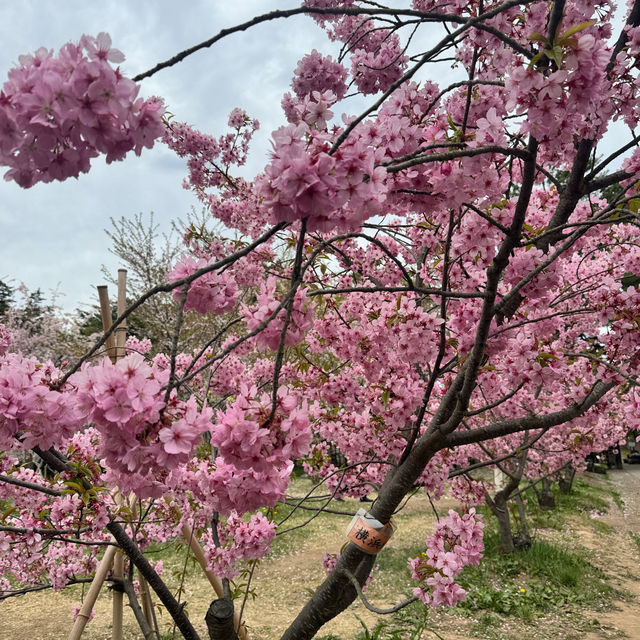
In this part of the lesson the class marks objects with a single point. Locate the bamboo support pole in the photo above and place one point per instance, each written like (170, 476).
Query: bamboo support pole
(105, 313)
(194, 545)
(118, 572)
(145, 597)
(215, 582)
(154, 619)
(115, 349)
(121, 330)
(98, 580)
(118, 598)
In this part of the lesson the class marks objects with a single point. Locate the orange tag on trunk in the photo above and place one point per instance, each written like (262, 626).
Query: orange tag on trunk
(368, 533)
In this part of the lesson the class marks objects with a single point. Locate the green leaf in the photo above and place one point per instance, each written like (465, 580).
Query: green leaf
(633, 205)
(538, 37)
(555, 54)
(630, 280)
(536, 59)
(568, 42)
(76, 487)
(576, 29)
(8, 512)
(543, 358)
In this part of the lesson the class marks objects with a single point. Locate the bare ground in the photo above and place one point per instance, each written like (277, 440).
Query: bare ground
(622, 559)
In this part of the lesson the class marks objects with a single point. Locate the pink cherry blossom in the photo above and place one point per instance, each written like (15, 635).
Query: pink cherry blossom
(61, 111)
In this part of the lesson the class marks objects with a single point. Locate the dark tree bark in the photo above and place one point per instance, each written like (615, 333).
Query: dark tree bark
(565, 479)
(499, 503)
(500, 509)
(219, 619)
(546, 499)
(522, 540)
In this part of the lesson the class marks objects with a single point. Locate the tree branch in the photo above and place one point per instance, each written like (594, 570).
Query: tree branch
(356, 11)
(30, 485)
(515, 425)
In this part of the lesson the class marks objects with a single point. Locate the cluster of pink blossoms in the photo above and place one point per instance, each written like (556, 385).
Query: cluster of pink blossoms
(58, 112)
(378, 61)
(300, 321)
(398, 323)
(240, 541)
(577, 89)
(316, 72)
(453, 6)
(208, 156)
(243, 490)
(141, 434)
(330, 191)
(211, 293)
(313, 109)
(456, 542)
(138, 346)
(468, 491)
(254, 464)
(247, 439)
(377, 58)
(30, 408)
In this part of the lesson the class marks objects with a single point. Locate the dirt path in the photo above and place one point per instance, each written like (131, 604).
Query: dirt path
(623, 560)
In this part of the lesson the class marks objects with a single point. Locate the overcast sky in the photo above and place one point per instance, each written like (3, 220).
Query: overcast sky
(54, 233)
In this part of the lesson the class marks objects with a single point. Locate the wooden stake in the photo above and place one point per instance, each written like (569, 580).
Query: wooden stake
(115, 350)
(105, 312)
(121, 330)
(109, 555)
(118, 598)
(118, 572)
(85, 611)
(145, 597)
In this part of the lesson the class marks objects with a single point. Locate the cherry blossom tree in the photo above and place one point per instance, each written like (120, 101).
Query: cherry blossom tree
(39, 327)
(399, 291)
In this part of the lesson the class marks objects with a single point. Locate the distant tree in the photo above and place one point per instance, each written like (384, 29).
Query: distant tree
(149, 256)
(6, 293)
(39, 327)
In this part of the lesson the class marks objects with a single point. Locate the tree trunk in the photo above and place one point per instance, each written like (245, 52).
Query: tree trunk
(219, 619)
(337, 592)
(565, 479)
(498, 506)
(522, 540)
(546, 499)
